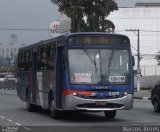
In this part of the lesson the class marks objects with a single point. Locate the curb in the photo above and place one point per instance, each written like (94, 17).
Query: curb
(143, 98)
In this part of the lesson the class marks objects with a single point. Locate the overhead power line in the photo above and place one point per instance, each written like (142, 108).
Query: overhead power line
(25, 29)
(46, 29)
(133, 47)
(150, 30)
(140, 30)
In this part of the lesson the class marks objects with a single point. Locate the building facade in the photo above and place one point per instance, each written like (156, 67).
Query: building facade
(143, 15)
(137, 3)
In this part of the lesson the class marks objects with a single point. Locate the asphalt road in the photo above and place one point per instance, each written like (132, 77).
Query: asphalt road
(13, 113)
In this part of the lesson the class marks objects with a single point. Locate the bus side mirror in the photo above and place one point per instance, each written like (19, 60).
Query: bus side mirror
(133, 61)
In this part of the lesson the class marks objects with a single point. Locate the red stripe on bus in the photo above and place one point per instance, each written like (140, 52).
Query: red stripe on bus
(84, 93)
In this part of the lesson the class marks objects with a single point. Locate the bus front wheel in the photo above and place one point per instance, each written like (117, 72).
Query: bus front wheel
(110, 114)
(55, 114)
(156, 106)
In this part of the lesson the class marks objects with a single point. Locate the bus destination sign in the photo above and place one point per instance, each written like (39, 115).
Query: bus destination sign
(97, 39)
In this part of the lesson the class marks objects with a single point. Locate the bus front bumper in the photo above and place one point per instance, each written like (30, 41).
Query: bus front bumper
(72, 102)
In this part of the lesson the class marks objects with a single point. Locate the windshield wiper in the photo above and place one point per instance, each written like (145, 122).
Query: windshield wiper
(92, 59)
(110, 61)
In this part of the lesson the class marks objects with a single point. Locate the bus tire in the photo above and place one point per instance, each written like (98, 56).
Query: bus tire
(30, 107)
(156, 106)
(55, 114)
(110, 114)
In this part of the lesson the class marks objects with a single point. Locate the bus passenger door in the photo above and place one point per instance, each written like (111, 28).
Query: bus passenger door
(59, 77)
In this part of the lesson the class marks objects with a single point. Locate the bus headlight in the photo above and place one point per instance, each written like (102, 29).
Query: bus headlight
(125, 93)
(74, 93)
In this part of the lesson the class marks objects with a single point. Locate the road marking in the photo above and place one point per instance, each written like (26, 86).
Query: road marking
(2, 117)
(9, 120)
(15, 122)
(18, 124)
(27, 128)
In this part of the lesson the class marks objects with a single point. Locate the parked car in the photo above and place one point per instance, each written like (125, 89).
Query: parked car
(155, 97)
(11, 78)
(2, 78)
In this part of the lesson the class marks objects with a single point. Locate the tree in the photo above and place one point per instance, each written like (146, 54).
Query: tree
(87, 15)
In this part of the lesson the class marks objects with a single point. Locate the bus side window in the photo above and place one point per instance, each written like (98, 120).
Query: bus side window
(38, 60)
(28, 62)
(20, 61)
(43, 58)
(23, 60)
(51, 57)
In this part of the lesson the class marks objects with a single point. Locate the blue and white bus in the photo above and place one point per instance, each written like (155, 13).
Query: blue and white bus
(87, 71)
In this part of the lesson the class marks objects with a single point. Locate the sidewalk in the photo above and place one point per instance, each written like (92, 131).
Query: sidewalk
(142, 94)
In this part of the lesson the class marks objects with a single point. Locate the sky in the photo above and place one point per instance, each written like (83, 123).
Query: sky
(24, 14)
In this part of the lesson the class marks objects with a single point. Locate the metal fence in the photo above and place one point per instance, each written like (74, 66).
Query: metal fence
(150, 76)
(8, 85)
(147, 82)
(150, 70)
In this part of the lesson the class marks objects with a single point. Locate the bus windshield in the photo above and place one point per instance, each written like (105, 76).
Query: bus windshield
(98, 66)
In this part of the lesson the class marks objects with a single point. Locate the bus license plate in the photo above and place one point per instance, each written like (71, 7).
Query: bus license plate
(100, 103)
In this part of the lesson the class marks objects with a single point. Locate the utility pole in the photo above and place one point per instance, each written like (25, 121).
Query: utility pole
(136, 31)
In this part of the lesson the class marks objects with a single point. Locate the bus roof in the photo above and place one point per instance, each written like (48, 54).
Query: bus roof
(65, 36)
(94, 33)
